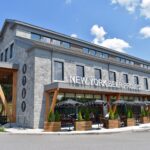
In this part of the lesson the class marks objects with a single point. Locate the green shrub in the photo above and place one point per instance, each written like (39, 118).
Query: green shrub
(2, 129)
(51, 117)
(129, 113)
(144, 113)
(111, 114)
(80, 118)
(87, 115)
(57, 116)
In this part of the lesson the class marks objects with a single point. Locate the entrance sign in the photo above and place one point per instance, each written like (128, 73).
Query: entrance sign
(91, 81)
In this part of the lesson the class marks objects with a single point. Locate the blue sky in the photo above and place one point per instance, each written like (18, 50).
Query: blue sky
(123, 25)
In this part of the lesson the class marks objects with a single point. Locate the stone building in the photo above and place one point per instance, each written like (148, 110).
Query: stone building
(41, 63)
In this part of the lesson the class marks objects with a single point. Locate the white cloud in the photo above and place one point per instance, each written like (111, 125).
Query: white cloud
(145, 8)
(145, 32)
(114, 43)
(130, 5)
(98, 32)
(74, 35)
(68, 1)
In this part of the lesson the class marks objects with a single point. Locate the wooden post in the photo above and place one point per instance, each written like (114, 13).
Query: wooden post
(14, 96)
(4, 102)
(108, 102)
(54, 100)
(117, 99)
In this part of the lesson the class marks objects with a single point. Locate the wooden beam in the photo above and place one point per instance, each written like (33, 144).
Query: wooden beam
(108, 102)
(4, 102)
(117, 99)
(14, 96)
(54, 100)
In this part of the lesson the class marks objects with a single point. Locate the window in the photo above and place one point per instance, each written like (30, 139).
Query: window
(1, 56)
(127, 61)
(98, 74)
(105, 55)
(118, 59)
(136, 80)
(58, 70)
(35, 36)
(99, 54)
(6, 52)
(112, 76)
(123, 60)
(45, 39)
(146, 83)
(125, 78)
(80, 71)
(92, 52)
(56, 42)
(11, 50)
(85, 50)
(131, 62)
(65, 44)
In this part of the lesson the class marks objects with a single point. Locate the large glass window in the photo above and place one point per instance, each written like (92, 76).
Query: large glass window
(146, 83)
(98, 74)
(125, 78)
(112, 76)
(65, 44)
(45, 39)
(6, 52)
(1, 56)
(56, 42)
(92, 52)
(136, 80)
(105, 55)
(11, 50)
(80, 71)
(35, 36)
(99, 54)
(85, 50)
(58, 70)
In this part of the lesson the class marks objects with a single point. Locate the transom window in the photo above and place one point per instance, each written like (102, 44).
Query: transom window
(6, 53)
(80, 71)
(58, 70)
(35, 36)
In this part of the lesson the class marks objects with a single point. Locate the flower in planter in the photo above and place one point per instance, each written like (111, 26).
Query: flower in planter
(144, 113)
(87, 116)
(113, 115)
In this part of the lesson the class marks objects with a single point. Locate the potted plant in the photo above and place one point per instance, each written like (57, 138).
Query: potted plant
(53, 124)
(130, 119)
(83, 124)
(113, 121)
(144, 116)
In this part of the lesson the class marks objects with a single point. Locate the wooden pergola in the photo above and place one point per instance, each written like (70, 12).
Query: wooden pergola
(56, 90)
(8, 75)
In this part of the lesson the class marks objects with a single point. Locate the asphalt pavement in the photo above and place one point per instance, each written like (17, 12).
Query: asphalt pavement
(114, 141)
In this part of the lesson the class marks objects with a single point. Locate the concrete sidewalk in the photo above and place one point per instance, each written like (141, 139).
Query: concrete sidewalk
(95, 130)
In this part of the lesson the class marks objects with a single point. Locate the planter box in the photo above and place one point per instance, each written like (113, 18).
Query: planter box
(144, 119)
(112, 124)
(130, 122)
(52, 126)
(83, 125)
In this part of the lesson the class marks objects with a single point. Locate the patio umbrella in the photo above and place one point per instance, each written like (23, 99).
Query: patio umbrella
(147, 102)
(69, 102)
(120, 102)
(136, 103)
(95, 102)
